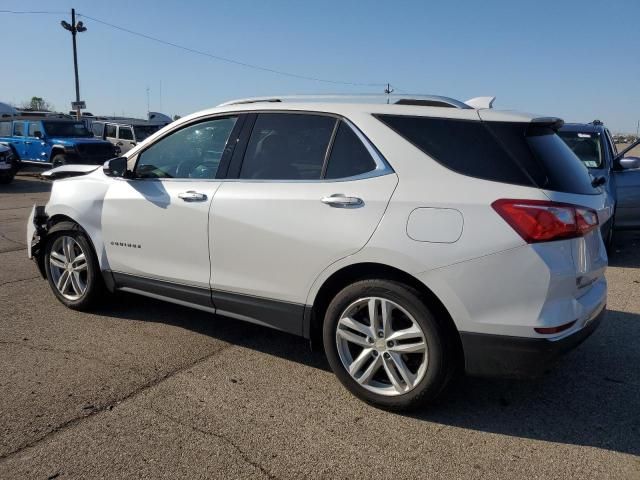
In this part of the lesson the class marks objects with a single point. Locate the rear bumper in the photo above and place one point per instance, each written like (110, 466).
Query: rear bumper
(506, 356)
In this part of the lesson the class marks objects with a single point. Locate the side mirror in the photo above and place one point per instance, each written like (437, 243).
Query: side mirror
(37, 134)
(630, 163)
(116, 167)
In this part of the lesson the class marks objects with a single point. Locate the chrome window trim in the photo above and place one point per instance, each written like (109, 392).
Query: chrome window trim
(382, 165)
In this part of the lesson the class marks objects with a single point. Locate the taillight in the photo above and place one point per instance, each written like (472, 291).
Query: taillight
(544, 221)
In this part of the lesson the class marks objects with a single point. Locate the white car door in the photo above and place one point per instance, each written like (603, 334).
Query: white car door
(310, 191)
(155, 225)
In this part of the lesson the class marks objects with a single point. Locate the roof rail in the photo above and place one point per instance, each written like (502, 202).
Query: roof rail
(398, 99)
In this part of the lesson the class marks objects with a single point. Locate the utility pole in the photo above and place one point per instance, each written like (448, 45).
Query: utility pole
(388, 91)
(148, 102)
(75, 28)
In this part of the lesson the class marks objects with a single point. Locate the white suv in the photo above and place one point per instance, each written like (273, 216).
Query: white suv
(412, 239)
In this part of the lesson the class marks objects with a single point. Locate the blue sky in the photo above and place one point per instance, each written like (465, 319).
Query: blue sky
(575, 59)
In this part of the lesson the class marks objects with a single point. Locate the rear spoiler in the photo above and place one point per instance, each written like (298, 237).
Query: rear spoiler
(66, 171)
(553, 122)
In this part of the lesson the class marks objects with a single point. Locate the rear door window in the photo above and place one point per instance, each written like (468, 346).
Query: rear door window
(110, 131)
(125, 133)
(287, 146)
(349, 157)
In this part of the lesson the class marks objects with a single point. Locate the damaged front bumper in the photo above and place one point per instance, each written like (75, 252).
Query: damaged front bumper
(36, 233)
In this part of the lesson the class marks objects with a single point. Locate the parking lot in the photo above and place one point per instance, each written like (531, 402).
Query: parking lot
(154, 390)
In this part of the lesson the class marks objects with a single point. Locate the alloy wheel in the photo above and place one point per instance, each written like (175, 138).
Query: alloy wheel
(68, 267)
(382, 346)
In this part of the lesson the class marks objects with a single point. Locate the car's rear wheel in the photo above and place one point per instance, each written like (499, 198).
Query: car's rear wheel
(386, 346)
(72, 269)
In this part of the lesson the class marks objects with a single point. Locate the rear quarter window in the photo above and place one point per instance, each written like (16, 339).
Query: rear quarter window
(506, 152)
(464, 146)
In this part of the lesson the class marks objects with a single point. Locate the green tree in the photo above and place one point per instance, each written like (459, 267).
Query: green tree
(37, 103)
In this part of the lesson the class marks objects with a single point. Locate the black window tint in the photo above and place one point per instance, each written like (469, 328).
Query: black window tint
(192, 152)
(125, 133)
(464, 146)
(518, 153)
(110, 131)
(349, 156)
(565, 172)
(18, 129)
(287, 147)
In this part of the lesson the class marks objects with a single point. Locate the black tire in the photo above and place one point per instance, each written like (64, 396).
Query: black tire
(59, 159)
(441, 353)
(6, 179)
(95, 288)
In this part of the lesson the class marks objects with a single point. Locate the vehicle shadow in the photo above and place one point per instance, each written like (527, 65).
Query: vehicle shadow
(626, 249)
(589, 399)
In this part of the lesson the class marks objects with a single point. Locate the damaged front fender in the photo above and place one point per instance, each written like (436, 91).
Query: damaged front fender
(37, 228)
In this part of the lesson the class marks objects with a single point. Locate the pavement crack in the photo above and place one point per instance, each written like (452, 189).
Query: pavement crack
(109, 405)
(47, 348)
(4, 237)
(219, 436)
(17, 281)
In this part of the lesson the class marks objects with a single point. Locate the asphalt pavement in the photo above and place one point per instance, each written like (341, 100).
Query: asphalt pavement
(145, 389)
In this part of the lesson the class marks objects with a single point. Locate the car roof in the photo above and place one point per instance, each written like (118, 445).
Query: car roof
(349, 107)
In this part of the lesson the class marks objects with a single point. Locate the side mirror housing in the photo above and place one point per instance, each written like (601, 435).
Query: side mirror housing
(116, 167)
(630, 163)
(37, 134)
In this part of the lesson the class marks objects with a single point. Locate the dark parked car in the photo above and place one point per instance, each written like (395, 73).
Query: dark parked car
(8, 164)
(618, 174)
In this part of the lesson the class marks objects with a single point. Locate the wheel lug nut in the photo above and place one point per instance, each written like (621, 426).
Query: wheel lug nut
(387, 355)
(375, 354)
(380, 334)
(390, 344)
(369, 340)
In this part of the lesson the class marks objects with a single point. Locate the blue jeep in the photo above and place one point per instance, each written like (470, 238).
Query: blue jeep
(54, 142)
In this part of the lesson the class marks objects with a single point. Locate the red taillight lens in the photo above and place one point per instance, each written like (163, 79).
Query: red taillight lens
(544, 221)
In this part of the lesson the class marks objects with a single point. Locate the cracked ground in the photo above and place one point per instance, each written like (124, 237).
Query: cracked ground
(145, 389)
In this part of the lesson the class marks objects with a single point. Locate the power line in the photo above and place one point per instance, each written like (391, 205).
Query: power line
(232, 61)
(31, 12)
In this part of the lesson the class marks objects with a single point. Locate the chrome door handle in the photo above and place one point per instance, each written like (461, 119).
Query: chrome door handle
(191, 196)
(339, 200)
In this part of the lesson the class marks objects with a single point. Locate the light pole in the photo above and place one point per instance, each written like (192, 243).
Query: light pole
(75, 28)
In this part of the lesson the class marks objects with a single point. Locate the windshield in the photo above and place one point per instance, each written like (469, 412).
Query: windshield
(586, 145)
(144, 131)
(66, 129)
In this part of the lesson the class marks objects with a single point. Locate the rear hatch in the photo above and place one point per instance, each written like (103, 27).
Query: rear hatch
(564, 179)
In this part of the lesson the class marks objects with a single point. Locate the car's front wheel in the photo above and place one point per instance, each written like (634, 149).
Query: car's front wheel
(386, 346)
(72, 269)
(59, 160)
